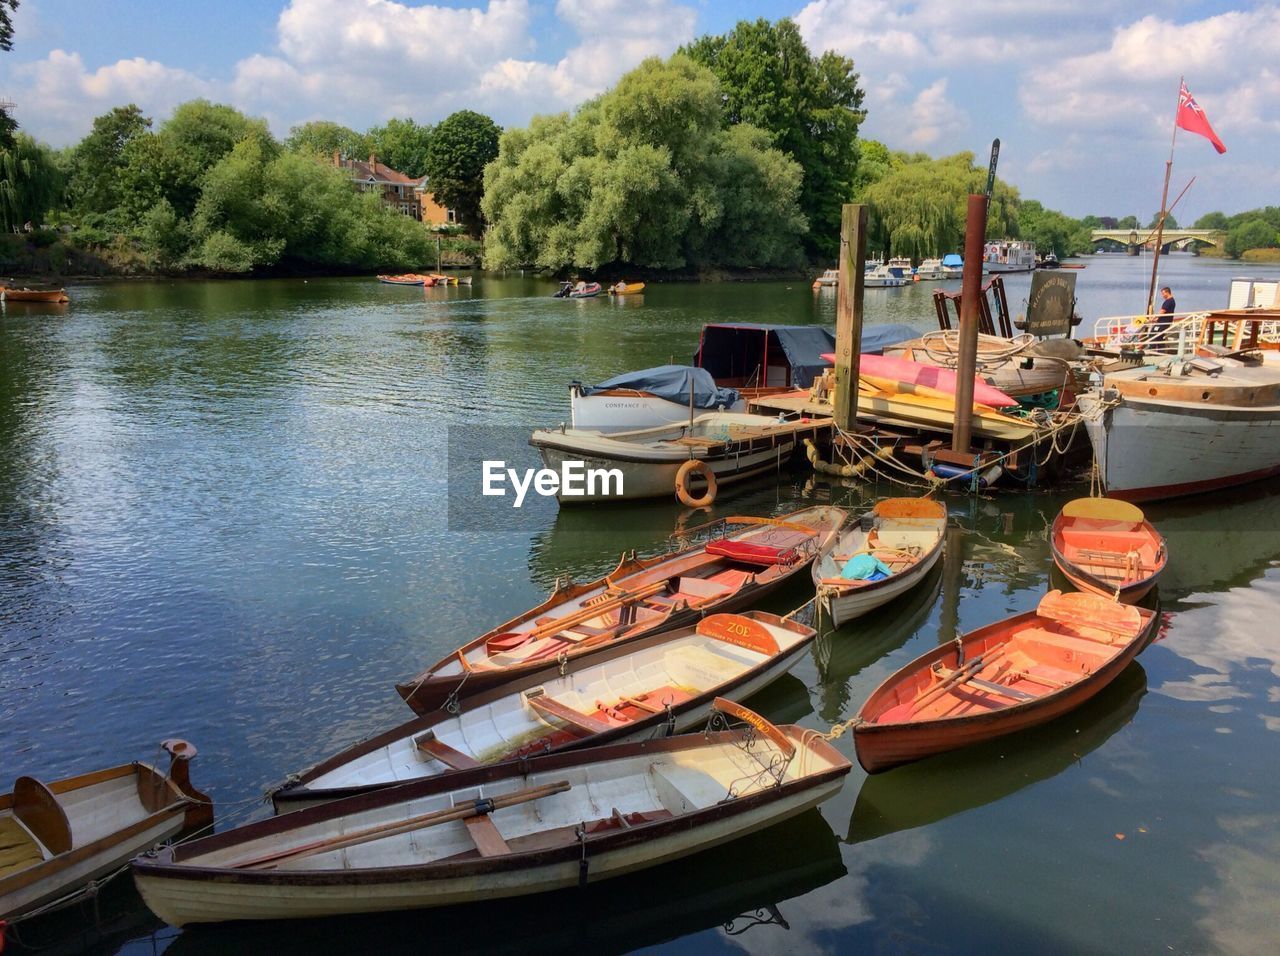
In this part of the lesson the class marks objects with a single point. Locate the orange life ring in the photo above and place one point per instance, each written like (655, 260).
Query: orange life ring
(688, 469)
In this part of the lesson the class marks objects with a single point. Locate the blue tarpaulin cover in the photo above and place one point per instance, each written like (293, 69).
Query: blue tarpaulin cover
(951, 259)
(672, 383)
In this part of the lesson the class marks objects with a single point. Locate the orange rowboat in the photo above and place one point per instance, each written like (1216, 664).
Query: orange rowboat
(1107, 547)
(1002, 678)
(34, 295)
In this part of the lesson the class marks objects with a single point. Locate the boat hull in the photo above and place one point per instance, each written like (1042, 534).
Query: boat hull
(881, 747)
(200, 882)
(1148, 450)
(845, 607)
(630, 410)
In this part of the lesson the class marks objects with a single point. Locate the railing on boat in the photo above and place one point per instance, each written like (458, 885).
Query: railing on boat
(1230, 330)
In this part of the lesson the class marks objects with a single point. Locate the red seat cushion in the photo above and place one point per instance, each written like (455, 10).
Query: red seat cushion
(762, 554)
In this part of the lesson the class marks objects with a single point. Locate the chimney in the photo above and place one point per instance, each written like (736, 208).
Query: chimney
(373, 163)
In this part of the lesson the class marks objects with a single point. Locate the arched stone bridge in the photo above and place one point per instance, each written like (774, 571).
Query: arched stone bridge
(1135, 239)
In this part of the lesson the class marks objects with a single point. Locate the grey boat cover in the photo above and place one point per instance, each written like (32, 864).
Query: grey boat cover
(672, 383)
(733, 350)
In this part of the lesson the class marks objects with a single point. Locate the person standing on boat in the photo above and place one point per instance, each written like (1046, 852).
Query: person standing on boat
(1167, 308)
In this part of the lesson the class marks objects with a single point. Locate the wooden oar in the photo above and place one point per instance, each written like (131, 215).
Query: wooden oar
(403, 826)
(965, 671)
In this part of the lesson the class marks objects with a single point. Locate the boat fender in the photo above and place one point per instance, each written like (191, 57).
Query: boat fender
(689, 468)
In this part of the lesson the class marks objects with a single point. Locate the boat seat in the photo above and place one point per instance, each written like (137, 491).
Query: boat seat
(429, 745)
(587, 631)
(40, 812)
(747, 553)
(564, 714)
(486, 836)
(702, 588)
(18, 848)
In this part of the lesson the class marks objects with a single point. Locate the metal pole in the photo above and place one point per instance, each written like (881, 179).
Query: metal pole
(853, 254)
(1164, 198)
(975, 230)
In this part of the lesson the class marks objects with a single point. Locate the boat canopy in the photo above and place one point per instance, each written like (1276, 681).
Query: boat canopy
(672, 382)
(951, 259)
(779, 355)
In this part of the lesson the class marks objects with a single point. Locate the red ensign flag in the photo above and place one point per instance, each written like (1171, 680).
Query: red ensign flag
(1191, 118)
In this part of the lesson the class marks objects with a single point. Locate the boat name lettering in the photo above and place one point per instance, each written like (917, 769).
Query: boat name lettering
(573, 480)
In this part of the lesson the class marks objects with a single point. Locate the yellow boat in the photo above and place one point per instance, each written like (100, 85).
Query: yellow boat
(626, 288)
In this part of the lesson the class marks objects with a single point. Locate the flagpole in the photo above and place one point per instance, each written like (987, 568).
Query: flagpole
(1164, 198)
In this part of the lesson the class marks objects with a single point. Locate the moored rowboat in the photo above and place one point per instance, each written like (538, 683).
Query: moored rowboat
(1107, 547)
(640, 596)
(56, 838)
(647, 687)
(407, 279)
(1002, 678)
(507, 830)
(33, 295)
(904, 534)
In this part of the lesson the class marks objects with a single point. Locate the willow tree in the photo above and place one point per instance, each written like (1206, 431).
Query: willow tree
(644, 175)
(918, 206)
(30, 182)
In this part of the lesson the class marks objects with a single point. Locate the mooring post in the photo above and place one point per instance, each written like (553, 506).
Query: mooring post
(967, 366)
(853, 253)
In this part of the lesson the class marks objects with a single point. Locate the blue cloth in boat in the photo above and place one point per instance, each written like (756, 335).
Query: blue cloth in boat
(672, 382)
(865, 567)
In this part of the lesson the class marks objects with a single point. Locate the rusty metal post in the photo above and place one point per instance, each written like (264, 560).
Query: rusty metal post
(974, 235)
(853, 253)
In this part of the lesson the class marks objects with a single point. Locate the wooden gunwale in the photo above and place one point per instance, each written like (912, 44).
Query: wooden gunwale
(882, 746)
(1087, 581)
(610, 652)
(166, 863)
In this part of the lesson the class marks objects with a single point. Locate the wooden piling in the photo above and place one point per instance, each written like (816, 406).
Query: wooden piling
(971, 289)
(853, 254)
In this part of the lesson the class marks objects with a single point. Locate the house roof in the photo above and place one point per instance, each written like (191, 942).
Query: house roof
(380, 172)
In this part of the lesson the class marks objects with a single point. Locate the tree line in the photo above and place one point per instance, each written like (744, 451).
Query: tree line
(738, 152)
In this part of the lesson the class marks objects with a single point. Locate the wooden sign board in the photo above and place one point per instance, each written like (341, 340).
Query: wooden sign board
(1051, 303)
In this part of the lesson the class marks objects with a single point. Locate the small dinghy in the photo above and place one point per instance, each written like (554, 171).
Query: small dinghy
(56, 838)
(744, 560)
(626, 288)
(1108, 547)
(34, 295)
(891, 550)
(408, 279)
(1002, 678)
(512, 829)
(650, 687)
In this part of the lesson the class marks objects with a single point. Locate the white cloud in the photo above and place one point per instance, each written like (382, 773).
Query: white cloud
(58, 96)
(934, 116)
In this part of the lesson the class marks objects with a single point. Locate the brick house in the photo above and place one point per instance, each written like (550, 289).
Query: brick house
(402, 193)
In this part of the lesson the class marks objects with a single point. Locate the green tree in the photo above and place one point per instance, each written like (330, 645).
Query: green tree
(1252, 234)
(645, 175)
(1169, 221)
(30, 182)
(322, 138)
(1211, 220)
(403, 145)
(457, 152)
(918, 209)
(207, 131)
(7, 10)
(96, 162)
(812, 107)
(1128, 222)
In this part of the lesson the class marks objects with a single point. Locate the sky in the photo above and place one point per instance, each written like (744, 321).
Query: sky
(1081, 95)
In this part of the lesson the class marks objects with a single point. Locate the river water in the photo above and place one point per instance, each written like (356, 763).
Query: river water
(225, 515)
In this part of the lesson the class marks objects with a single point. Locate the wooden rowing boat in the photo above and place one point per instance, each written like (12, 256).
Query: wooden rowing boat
(56, 838)
(10, 294)
(649, 687)
(640, 596)
(1002, 678)
(512, 829)
(1108, 547)
(407, 279)
(904, 534)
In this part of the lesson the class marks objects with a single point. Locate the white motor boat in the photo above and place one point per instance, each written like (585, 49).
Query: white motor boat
(882, 277)
(931, 269)
(1009, 255)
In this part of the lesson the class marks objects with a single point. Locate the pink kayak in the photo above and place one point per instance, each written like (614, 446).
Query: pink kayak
(928, 376)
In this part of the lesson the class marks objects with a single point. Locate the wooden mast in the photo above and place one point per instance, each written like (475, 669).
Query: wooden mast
(1164, 198)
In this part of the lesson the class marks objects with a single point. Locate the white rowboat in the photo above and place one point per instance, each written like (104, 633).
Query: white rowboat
(508, 830)
(905, 534)
(651, 687)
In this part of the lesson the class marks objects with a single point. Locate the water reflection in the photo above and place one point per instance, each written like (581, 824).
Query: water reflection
(722, 888)
(925, 792)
